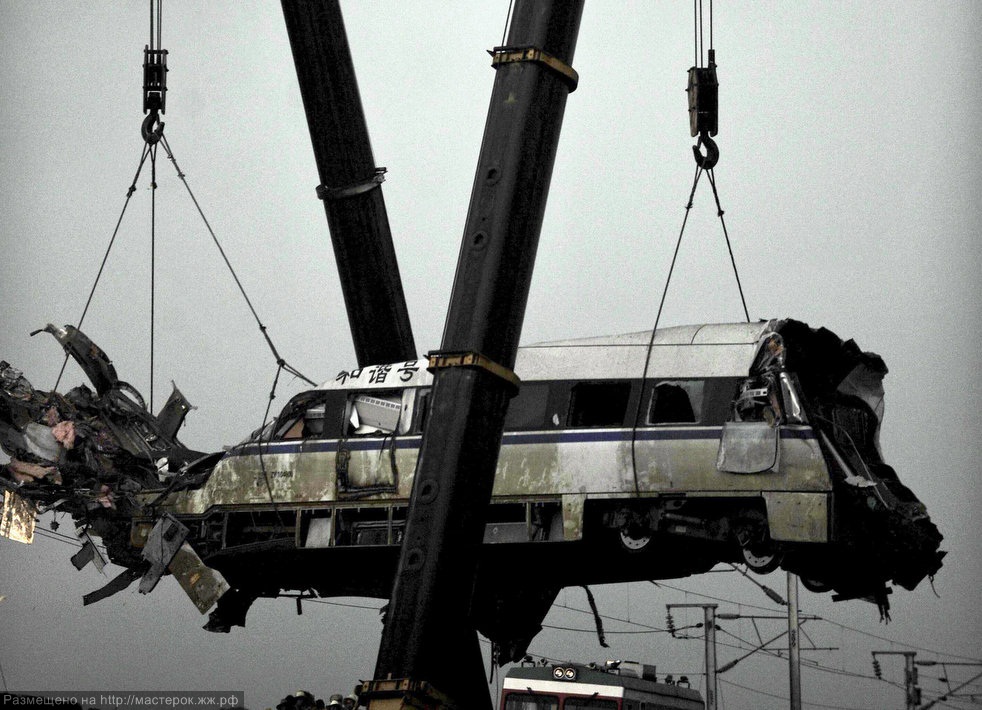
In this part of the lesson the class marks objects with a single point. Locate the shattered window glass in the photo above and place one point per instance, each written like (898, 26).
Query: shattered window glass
(312, 414)
(676, 402)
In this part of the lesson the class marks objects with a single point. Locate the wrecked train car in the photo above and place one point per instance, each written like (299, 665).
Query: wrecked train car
(623, 458)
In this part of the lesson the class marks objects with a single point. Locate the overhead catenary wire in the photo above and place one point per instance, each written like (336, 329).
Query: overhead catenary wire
(742, 644)
(785, 698)
(659, 583)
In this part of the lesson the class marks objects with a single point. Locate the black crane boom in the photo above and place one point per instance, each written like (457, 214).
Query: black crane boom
(350, 183)
(429, 634)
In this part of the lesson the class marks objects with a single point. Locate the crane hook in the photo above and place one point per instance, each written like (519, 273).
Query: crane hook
(709, 160)
(150, 134)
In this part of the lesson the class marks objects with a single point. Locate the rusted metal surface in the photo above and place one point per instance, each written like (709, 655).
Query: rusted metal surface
(17, 518)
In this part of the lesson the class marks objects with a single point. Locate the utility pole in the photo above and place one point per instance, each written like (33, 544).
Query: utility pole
(709, 612)
(951, 693)
(794, 646)
(910, 675)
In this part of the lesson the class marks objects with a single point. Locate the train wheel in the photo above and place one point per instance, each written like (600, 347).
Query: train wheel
(815, 585)
(634, 542)
(762, 560)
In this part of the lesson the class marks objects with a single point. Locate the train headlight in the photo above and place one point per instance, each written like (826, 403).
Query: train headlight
(564, 673)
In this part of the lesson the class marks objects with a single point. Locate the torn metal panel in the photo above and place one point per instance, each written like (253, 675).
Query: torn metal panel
(573, 516)
(202, 584)
(117, 584)
(797, 517)
(749, 447)
(172, 414)
(88, 553)
(164, 541)
(94, 362)
(87, 451)
(18, 518)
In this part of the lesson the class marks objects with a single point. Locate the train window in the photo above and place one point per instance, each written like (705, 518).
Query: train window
(598, 404)
(676, 402)
(374, 413)
(532, 701)
(312, 414)
(528, 409)
(589, 704)
(422, 409)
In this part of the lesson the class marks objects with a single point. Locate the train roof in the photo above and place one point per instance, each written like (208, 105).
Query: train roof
(588, 680)
(686, 351)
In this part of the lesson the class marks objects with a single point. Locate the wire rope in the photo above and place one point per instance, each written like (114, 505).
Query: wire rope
(729, 247)
(785, 698)
(153, 262)
(654, 330)
(145, 151)
(262, 328)
(504, 31)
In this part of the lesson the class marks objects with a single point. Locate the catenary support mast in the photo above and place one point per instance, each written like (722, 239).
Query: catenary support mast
(350, 183)
(428, 633)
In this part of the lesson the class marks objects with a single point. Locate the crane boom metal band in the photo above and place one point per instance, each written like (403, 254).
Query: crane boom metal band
(509, 55)
(339, 193)
(440, 360)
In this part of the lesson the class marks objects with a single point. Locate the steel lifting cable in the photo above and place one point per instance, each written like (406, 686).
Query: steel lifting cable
(281, 364)
(704, 163)
(262, 328)
(729, 247)
(153, 263)
(651, 339)
(153, 135)
(145, 152)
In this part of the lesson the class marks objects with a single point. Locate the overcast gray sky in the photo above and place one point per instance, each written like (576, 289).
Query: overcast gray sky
(850, 175)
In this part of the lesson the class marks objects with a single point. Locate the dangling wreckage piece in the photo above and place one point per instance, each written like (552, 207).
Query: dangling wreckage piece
(752, 443)
(90, 454)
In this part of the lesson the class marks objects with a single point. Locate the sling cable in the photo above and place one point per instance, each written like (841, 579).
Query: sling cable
(152, 132)
(703, 91)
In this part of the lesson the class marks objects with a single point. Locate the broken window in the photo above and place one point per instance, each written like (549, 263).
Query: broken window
(375, 413)
(313, 414)
(759, 401)
(751, 443)
(676, 402)
(528, 409)
(598, 404)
